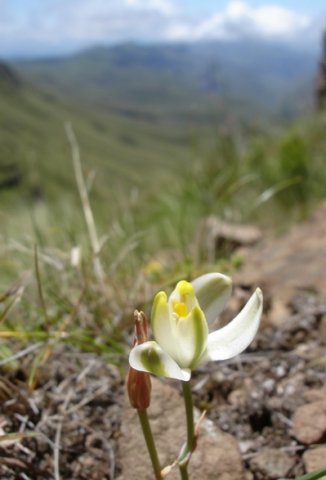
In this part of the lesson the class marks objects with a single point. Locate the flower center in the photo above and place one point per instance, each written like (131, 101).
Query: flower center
(180, 308)
(182, 305)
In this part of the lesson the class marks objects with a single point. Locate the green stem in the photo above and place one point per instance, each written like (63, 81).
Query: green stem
(189, 446)
(186, 388)
(183, 469)
(150, 443)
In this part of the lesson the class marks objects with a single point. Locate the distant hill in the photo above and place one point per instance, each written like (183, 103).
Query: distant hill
(35, 158)
(186, 82)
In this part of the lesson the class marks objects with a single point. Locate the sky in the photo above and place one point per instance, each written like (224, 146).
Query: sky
(51, 27)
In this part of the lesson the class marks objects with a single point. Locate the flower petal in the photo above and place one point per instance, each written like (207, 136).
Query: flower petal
(235, 337)
(213, 291)
(149, 357)
(192, 332)
(162, 323)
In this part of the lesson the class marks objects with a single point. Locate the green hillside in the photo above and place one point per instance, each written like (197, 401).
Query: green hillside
(126, 79)
(39, 200)
(189, 83)
(35, 159)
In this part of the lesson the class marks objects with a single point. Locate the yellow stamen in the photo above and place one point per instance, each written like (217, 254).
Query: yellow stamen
(180, 308)
(184, 288)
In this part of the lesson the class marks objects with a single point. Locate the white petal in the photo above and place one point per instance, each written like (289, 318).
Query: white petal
(192, 333)
(235, 337)
(163, 325)
(213, 291)
(149, 357)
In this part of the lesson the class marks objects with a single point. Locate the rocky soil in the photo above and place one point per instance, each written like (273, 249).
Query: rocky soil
(266, 410)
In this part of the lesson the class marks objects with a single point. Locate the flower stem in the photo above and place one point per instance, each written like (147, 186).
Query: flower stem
(183, 472)
(189, 446)
(142, 414)
(186, 388)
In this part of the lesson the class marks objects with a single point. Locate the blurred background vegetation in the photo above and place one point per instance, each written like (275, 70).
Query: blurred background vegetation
(168, 135)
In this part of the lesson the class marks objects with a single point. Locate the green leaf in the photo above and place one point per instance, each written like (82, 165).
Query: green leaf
(312, 475)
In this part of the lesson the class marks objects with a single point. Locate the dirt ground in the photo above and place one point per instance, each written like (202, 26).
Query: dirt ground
(272, 399)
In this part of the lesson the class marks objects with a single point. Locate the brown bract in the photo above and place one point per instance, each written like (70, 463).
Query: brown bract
(139, 383)
(139, 389)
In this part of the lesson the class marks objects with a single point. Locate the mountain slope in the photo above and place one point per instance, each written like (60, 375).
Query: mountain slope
(35, 158)
(188, 82)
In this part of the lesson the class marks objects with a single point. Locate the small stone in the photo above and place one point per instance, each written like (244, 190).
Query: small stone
(238, 397)
(246, 445)
(248, 475)
(309, 422)
(314, 459)
(268, 385)
(278, 313)
(280, 371)
(315, 394)
(272, 463)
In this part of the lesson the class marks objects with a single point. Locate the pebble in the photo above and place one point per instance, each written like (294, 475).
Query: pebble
(309, 422)
(314, 459)
(272, 463)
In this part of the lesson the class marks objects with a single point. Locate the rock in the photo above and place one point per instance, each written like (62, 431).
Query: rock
(214, 236)
(309, 422)
(291, 263)
(217, 454)
(278, 313)
(272, 463)
(248, 475)
(238, 397)
(315, 394)
(314, 459)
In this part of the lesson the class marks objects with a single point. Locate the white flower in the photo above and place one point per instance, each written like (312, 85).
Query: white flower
(180, 328)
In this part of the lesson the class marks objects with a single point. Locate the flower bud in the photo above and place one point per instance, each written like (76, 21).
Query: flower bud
(139, 383)
(139, 389)
(140, 327)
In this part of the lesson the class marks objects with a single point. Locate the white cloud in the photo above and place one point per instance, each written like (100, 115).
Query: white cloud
(239, 19)
(162, 6)
(63, 25)
(273, 20)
